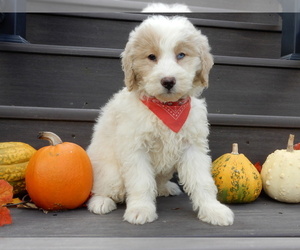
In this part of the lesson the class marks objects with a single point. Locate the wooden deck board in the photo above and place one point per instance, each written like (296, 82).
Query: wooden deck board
(88, 243)
(262, 218)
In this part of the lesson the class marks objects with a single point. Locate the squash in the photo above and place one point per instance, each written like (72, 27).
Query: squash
(59, 176)
(14, 157)
(281, 174)
(236, 178)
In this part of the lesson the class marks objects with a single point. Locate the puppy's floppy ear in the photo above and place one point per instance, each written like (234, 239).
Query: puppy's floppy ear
(127, 66)
(207, 61)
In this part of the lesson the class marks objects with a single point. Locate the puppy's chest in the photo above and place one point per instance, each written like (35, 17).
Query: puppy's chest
(165, 150)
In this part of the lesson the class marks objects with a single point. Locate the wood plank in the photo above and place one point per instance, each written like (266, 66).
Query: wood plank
(137, 243)
(176, 219)
(89, 115)
(136, 6)
(254, 17)
(61, 50)
(255, 142)
(48, 114)
(111, 30)
(258, 18)
(257, 62)
(196, 18)
(167, 243)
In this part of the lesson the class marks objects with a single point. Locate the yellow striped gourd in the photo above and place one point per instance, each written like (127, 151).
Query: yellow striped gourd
(14, 157)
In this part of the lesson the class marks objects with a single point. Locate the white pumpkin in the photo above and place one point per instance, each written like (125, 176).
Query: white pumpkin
(281, 174)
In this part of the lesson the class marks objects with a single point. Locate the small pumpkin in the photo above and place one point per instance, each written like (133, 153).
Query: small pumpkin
(59, 176)
(236, 178)
(14, 158)
(281, 174)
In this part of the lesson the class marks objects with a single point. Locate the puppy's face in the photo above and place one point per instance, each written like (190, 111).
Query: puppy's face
(167, 58)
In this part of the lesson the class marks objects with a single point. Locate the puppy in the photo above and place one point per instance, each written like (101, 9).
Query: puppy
(156, 125)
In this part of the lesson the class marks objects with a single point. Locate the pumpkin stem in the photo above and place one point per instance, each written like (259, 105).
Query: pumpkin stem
(290, 145)
(51, 137)
(235, 149)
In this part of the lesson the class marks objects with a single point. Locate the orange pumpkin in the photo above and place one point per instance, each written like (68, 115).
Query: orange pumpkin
(59, 176)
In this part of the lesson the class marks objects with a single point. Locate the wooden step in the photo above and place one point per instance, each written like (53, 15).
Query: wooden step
(55, 76)
(212, 6)
(254, 86)
(257, 136)
(246, 17)
(60, 88)
(78, 77)
(110, 30)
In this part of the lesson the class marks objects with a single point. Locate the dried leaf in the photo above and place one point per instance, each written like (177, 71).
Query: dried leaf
(5, 217)
(297, 146)
(16, 200)
(6, 192)
(6, 196)
(258, 166)
(27, 205)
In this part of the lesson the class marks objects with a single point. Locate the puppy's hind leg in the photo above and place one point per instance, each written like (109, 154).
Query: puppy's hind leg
(166, 187)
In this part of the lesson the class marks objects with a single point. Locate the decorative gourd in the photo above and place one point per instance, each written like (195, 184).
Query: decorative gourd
(59, 176)
(281, 174)
(236, 178)
(14, 157)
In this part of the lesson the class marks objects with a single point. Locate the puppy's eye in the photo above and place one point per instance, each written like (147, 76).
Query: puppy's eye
(180, 56)
(152, 57)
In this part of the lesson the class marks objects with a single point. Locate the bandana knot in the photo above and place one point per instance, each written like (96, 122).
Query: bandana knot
(172, 114)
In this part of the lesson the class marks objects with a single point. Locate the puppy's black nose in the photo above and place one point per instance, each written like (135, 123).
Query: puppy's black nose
(168, 82)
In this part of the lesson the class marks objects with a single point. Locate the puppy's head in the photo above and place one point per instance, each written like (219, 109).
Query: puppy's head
(167, 58)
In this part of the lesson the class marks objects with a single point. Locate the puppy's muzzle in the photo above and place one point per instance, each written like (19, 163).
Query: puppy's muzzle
(168, 82)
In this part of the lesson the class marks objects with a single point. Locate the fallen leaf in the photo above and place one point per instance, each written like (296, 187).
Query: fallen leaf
(27, 205)
(6, 192)
(297, 146)
(5, 217)
(16, 200)
(258, 166)
(6, 196)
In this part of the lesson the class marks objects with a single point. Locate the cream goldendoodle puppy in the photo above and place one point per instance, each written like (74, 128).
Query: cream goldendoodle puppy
(156, 126)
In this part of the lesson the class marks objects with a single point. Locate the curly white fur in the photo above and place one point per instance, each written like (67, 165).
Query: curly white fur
(133, 154)
(165, 8)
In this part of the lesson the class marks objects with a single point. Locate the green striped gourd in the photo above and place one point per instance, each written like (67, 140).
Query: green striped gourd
(236, 178)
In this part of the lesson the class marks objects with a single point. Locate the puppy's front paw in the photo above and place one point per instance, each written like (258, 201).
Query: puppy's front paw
(140, 215)
(101, 205)
(216, 214)
(169, 188)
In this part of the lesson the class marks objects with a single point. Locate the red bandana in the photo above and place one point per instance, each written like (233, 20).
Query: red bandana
(172, 114)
